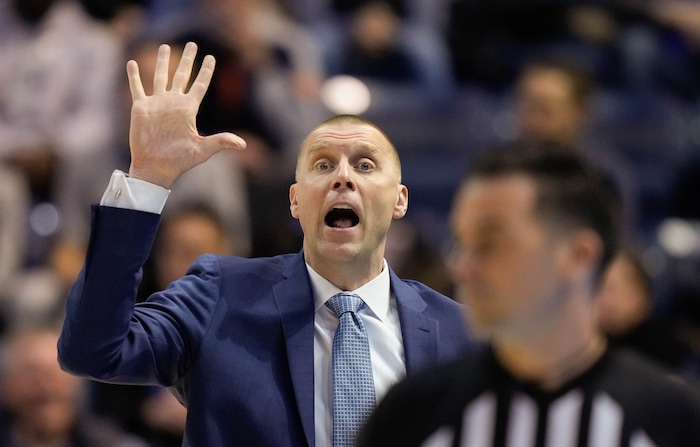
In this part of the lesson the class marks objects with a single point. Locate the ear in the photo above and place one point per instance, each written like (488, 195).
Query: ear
(401, 206)
(293, 205)
(583, 255)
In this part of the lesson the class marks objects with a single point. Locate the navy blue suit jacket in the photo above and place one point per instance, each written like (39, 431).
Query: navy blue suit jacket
(233, 338)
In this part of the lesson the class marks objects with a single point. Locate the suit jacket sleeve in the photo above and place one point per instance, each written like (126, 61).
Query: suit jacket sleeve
(106, 335)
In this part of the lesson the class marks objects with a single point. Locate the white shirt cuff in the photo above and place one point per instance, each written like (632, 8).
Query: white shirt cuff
(134, 194)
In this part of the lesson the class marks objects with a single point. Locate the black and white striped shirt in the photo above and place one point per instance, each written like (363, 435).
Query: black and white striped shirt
(622, 401)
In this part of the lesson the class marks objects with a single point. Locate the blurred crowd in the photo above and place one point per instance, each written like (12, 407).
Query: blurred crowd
(447, 80)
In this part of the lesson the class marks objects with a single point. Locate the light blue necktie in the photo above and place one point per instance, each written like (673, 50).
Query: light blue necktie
(353, 383)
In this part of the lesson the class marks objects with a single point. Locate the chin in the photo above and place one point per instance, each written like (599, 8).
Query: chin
(334, 251)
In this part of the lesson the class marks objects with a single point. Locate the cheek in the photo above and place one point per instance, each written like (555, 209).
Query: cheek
(521, 272)
(306, 212)
(387, 202)
(540, 280)
(298, 205)
(303, 199)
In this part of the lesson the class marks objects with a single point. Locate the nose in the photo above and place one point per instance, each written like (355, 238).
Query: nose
(344, 177)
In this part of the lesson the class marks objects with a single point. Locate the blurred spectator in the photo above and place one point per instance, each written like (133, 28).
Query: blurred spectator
(43, 405)
(634, 60)
(412, 256)
(126, 19)
(388, 43)
(27, 294)
(373, 49)
(666, 56)
(57, 103)
(14, 211)
(113, 11)
(554, 107)
(624, 311)
(33, 296)
(46, 47)
(186, 232)
(150, 413)
(680, 14)
(553, 103)
(490, 40)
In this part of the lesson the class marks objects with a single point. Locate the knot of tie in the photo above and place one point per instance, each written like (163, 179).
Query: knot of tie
(344, 302)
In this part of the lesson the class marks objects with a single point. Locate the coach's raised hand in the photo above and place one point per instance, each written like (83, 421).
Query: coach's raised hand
(163, 136)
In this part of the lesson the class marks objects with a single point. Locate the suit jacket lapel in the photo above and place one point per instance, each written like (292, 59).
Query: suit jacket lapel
(294, 299)
(418, 331)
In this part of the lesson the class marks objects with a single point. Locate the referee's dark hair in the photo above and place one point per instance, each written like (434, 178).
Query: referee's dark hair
(572, 191)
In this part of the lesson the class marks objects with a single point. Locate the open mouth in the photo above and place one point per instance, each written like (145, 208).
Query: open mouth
(341, 218)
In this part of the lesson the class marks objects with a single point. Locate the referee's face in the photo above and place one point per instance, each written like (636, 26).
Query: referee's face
(507, 267)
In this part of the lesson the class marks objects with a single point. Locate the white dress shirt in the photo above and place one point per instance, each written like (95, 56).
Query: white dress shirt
(379, 314)
(134, 194)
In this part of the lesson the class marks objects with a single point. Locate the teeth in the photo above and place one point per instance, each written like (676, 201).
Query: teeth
(341, 207)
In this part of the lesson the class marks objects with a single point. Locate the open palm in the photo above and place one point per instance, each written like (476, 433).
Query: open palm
(163, 135)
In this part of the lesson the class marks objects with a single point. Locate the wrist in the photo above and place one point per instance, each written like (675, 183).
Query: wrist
(151, 176)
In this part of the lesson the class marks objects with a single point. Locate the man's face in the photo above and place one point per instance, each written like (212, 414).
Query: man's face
(42, 397)
(347, 192)
(622, 302)
(547, 111)
(506, 265)
(183, 240)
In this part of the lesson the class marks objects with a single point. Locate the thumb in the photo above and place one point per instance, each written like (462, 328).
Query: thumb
(220, 141)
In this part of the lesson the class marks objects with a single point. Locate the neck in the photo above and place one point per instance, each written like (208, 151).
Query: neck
(348, 275)
(552, 357)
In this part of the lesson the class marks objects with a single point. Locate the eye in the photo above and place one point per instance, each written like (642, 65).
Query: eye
(323, 165)
(479, 248)
(488, 246)
(365, 166)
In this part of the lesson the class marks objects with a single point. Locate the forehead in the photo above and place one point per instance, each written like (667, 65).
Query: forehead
(494, 201)
(346, 135)
(544, 82)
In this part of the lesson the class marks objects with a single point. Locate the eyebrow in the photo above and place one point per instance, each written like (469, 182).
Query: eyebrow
(487, 226)
(321, 146)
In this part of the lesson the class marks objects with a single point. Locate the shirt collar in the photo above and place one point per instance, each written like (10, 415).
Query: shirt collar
(375, 293)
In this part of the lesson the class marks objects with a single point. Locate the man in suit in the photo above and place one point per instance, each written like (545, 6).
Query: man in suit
(245, 344)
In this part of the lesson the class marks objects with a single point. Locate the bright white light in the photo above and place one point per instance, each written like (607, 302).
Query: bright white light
(345, 94)
(679, 237)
